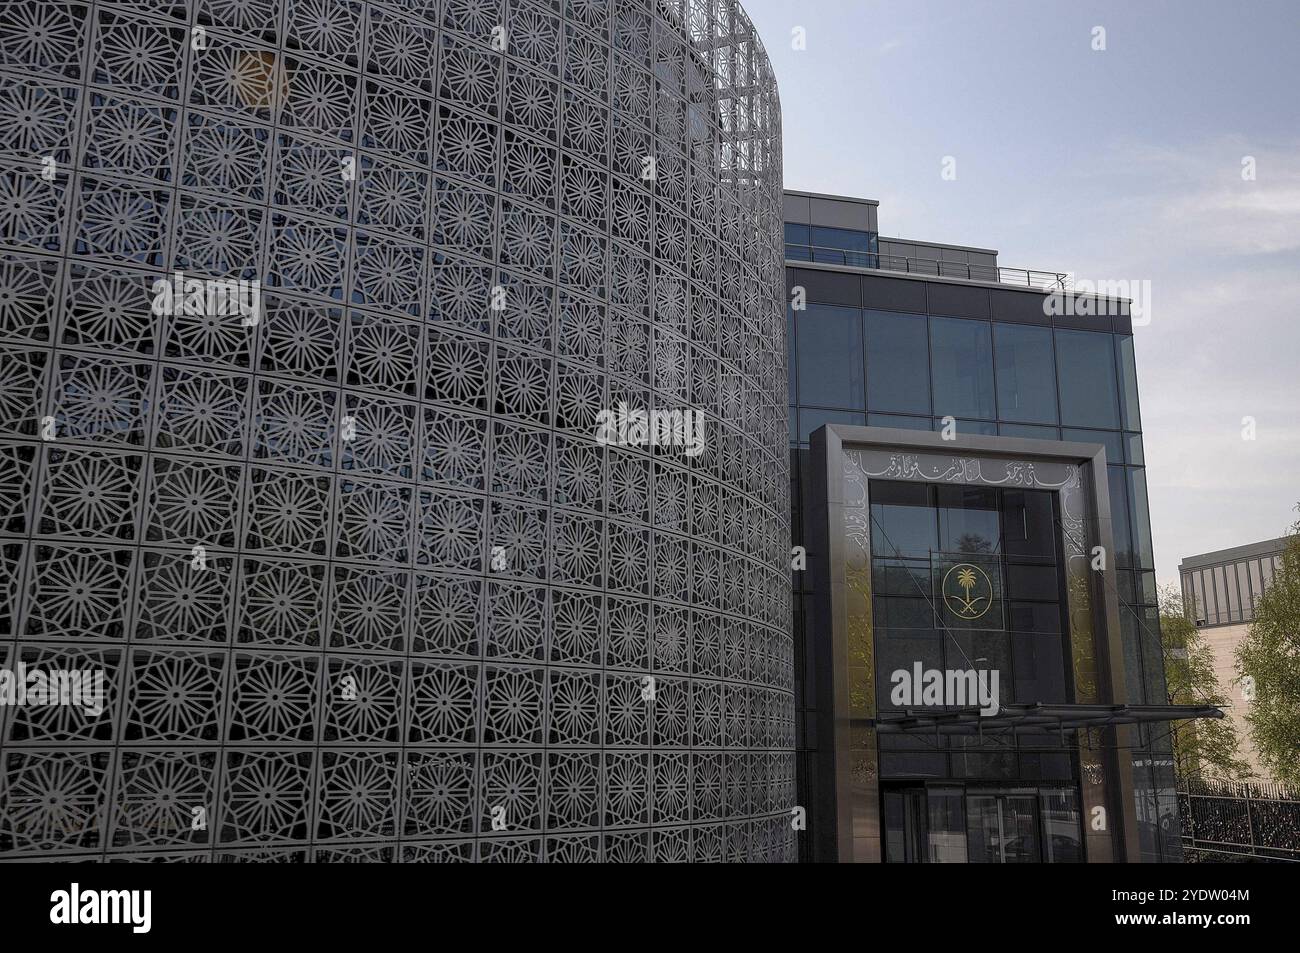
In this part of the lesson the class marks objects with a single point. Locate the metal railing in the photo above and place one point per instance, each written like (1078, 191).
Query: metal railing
(1258, 821)
(1022, 277)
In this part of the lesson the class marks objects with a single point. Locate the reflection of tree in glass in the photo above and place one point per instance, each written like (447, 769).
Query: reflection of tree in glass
(973, 543)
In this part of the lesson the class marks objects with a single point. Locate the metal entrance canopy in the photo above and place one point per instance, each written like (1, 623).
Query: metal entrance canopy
(1035, 718)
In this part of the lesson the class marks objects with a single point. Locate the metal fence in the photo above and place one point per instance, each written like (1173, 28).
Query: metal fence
(1024, 277)
(1227, 822)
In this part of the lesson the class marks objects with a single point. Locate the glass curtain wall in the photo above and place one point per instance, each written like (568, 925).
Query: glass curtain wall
(993, 377)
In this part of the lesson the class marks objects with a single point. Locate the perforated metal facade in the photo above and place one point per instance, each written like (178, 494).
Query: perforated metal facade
(475, 224)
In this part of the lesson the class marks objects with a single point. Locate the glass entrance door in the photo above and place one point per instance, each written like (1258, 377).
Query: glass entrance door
(905, 826)
(938, 823)
(925, 825)
(946, 836)
(1002, 828)
(1062, 833)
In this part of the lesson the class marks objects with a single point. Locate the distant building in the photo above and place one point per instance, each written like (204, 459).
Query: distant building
(1223, 588)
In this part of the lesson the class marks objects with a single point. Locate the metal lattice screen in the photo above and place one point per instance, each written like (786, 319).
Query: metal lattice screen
(360, 579)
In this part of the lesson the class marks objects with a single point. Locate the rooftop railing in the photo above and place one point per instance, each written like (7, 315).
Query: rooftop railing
(1022, 277)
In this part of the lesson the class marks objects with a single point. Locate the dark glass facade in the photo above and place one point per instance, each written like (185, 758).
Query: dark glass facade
(944, 789)
(831, 246)
(994, 362)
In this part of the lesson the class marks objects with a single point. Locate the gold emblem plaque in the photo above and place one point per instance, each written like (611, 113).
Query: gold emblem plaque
(967, 592)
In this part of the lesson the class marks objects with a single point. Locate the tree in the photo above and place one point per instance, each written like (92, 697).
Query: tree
(1269, 657)
(1206, 748)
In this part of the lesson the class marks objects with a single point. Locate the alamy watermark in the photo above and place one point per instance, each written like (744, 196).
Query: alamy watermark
(1103, 298)
(208, 296)
(79, 688)
(624, 426)
(949, 688)
(77, 906)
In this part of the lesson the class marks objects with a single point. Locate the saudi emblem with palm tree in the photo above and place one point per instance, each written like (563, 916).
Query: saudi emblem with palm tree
(967, 591)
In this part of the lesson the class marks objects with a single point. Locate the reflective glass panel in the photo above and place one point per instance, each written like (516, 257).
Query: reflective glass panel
(1062, 836)
(830, 356)
(898, 363)
(1026, 373)
(1085, 367)
(961, 353)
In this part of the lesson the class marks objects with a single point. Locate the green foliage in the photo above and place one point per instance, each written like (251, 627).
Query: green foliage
(1270, 655)
(1205, 748)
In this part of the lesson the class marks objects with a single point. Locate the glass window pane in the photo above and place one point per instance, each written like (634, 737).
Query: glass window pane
(1026, 375)
(1205, 589)
(1029, 523)
(899, 615)
(1256, 587)
(1112, 441)
(1198, 595)
(902, 520)
(1234, 600)
(811, 418)
(1221, 593)
(1036, 617)
(830, 356)
(968, 520)
(1125, 587)
(1132, 646)
(1152, 658)
(984, 829)
(1119, 516)
(1062, 837)
(1032, 581)
(947, 827)
(1266, 572)
(985, 427)
(1039, 664)
(908, 578)
(895, 821)
(900, 651)
(796, 234)
(845, 238)
(1147, 588)
(1147, 806)
(792, 354)
(1020, 823)
(1128, 391)
(1140, 517)
(1086, 367)
(962, 356)
(831, 256)
(894, 420)
(1002, 829)
(898, 363)
(1028, 430)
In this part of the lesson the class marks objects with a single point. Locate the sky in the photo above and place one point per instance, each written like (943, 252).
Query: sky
(1123, 163)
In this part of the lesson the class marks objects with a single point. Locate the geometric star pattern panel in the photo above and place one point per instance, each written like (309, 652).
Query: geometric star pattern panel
(338, 532)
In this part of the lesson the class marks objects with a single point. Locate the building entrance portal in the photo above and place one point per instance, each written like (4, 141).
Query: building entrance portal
(935, 824)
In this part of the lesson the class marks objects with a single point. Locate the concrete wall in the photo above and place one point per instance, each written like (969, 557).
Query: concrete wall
(1223, 641)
